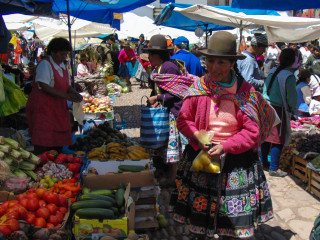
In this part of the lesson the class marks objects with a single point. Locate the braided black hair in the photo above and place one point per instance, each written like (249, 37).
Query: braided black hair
(287, 58)
(237, 72)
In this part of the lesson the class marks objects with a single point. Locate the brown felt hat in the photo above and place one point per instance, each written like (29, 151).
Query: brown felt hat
(126, 44)
(158, 43)
(222, 44)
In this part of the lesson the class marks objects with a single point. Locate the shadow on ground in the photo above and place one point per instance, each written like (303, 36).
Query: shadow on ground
(267, 232)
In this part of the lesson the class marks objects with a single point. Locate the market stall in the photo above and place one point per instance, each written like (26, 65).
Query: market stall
(301, 157)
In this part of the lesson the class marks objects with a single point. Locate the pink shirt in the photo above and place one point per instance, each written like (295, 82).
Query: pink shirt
(82, 70)
(223, 123)
(194, 115)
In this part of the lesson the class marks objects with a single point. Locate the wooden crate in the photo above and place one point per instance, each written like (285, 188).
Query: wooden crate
(299, 168)
(314, 182)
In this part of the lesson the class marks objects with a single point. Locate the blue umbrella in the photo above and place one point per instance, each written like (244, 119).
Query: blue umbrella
(282, 5)
(91, 10)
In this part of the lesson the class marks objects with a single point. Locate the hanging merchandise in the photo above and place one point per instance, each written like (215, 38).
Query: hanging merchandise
(2, 94)
(14, 98)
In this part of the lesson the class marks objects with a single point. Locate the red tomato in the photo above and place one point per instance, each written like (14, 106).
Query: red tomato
(63, 210)
(42, 203)
(45, 194)
(43, 212)
(5, 230)
(13, 214)
(31, 190)
(12, 203)
(58, 225)
(33, 204)
(21, 196)
(13, 224)
(22, 212)
(59, 216)
(53, 219)
(49, 225)
(5, 204)
(40, 222)
(63, 202)
(52, 198)
(69, 158)
(2, 210)
(24, 202)
(31, 218)
(52, 208)
(40, 191)
(32, 195)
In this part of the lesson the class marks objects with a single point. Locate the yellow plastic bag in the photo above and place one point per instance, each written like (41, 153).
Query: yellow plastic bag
(202, 162)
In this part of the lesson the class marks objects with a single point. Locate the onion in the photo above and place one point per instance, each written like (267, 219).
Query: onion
(24, 226)
(42, 234)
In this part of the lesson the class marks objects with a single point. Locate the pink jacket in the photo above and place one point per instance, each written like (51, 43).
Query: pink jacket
(194, 116)
(126, 56)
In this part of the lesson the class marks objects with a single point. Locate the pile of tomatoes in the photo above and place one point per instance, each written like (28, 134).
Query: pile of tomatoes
(39, 207)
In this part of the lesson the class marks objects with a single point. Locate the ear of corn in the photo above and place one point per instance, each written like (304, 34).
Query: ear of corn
(14, 144)
(14, 153)
(5, 148)
(34, 159)
(25, 154)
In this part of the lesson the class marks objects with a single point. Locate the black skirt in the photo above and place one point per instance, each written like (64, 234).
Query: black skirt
(231, 203)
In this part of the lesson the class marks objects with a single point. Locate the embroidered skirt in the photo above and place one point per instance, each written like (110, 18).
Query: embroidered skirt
(229, 204)
(176, 143)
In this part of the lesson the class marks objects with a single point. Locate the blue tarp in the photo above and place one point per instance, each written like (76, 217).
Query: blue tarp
(91, 10)
(170, 18)
(279, 5)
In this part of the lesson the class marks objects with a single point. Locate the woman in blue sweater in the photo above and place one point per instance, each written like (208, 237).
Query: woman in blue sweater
(280, 91)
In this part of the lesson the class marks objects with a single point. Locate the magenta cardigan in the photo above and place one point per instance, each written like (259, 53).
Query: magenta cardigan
(194, 116)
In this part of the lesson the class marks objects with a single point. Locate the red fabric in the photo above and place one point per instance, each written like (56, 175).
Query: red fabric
(4, 57)
(48, 116)
(194, 116)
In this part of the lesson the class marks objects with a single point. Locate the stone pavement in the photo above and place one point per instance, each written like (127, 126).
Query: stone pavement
(294, 208)
(294, 213)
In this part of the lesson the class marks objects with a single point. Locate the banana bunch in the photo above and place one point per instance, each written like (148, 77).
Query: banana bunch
(116, 151)
(98, 154)
(136, 152)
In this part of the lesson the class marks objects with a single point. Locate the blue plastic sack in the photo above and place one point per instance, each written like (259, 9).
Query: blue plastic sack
(154, 129)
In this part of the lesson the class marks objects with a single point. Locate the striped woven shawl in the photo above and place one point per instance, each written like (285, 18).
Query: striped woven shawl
(177, 85)
(251, 103)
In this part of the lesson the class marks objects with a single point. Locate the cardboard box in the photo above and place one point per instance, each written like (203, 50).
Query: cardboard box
(112, 180)
(94, 228)
(104, 167)
(6, 196)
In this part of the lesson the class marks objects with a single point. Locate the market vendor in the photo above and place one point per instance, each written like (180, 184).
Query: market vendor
(83, 68)
(47, 112)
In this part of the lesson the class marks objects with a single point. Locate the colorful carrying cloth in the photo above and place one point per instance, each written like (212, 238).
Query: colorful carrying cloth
(251, 103)
(177, 85)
